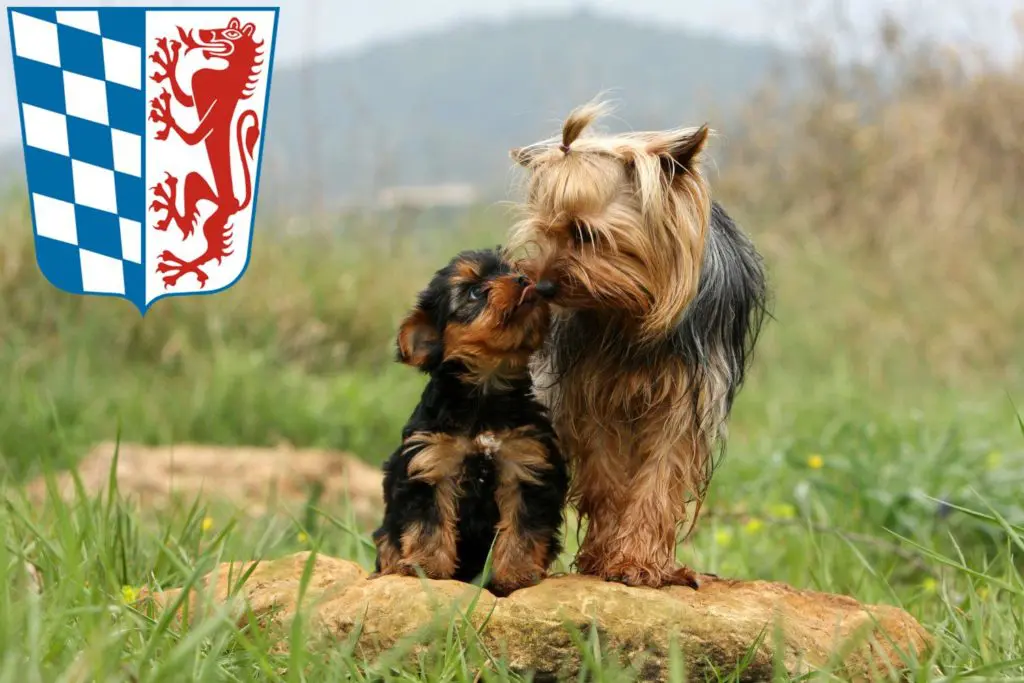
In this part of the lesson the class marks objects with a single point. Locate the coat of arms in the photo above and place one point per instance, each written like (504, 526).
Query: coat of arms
(142, 133)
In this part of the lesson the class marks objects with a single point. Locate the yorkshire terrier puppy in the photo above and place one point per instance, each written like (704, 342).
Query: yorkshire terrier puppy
(479, 462)
(658, 299)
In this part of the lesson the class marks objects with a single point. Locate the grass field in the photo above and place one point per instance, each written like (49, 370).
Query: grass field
(877, 450)
(831, 479)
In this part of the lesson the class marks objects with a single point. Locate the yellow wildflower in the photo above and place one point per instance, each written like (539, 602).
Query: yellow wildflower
(753, 525)
(929, 585)
(303, 537)
(207, 523)
(815, 461)
(993, 460)
(983, 592)
(723, 537)
(129, 594)
(782, 511)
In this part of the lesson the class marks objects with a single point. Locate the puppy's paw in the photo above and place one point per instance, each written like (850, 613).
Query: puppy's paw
(405, 568)
(503, 586)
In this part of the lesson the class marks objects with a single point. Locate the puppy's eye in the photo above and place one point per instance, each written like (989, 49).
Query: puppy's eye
(475, 293)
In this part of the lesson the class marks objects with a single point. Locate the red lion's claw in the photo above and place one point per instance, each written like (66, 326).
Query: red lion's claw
(175, 268)
(161, 113)
(166, 255)
(166, 58)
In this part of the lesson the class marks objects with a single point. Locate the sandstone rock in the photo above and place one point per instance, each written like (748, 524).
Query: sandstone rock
(252, 479)
(717, 625)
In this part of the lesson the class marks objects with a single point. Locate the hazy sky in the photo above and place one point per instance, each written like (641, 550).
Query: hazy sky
(312, 27)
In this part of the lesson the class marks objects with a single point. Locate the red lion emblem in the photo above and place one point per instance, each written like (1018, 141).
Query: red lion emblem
(216, 95)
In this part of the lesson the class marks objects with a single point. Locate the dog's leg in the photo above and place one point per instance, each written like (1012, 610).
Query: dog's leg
(599, 490)
(520, 557)
(601, 517)
(388, 554)
(530, 495)
(642, 550)
(434, 465)
(430, 544)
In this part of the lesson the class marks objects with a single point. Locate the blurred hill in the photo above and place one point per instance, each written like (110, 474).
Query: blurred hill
(444, 107)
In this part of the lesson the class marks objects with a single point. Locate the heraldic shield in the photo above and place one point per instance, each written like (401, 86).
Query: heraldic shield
(142, 131)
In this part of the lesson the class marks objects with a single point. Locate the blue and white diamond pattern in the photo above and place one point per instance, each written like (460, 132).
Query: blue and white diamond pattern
(80, 76)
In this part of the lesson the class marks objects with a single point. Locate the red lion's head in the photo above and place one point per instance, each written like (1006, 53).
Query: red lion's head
(222, 42)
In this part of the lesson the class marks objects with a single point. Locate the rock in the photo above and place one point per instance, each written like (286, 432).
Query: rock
(271, 591)
(252, 479)
(720, 623)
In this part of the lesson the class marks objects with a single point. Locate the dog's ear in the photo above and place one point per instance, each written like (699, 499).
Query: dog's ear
(680, 151)
(419, 341)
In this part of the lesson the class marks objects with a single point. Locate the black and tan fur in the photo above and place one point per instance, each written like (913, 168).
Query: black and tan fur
(479, 462)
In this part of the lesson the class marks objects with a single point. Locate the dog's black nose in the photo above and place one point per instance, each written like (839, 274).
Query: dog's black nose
(546, 288)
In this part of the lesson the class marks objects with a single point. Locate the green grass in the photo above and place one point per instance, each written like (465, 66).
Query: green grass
(811, 521)
(300, 352)
(876, 450)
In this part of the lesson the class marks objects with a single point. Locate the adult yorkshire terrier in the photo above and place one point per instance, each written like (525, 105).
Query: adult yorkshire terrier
(479, 462)
(658, 301)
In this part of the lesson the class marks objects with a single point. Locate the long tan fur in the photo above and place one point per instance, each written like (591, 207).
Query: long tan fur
(620, 222)
(614, 190)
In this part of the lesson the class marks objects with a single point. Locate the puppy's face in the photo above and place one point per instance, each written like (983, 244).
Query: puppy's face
(479, 310)
(616, 224)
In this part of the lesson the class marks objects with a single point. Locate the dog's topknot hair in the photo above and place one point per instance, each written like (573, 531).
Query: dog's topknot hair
(642, 195)
(580, 119)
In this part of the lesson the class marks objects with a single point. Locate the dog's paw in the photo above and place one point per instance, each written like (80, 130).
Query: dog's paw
(633, 575)
(502, 587)
(684, 576)
(639, 576)
(405, 568)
